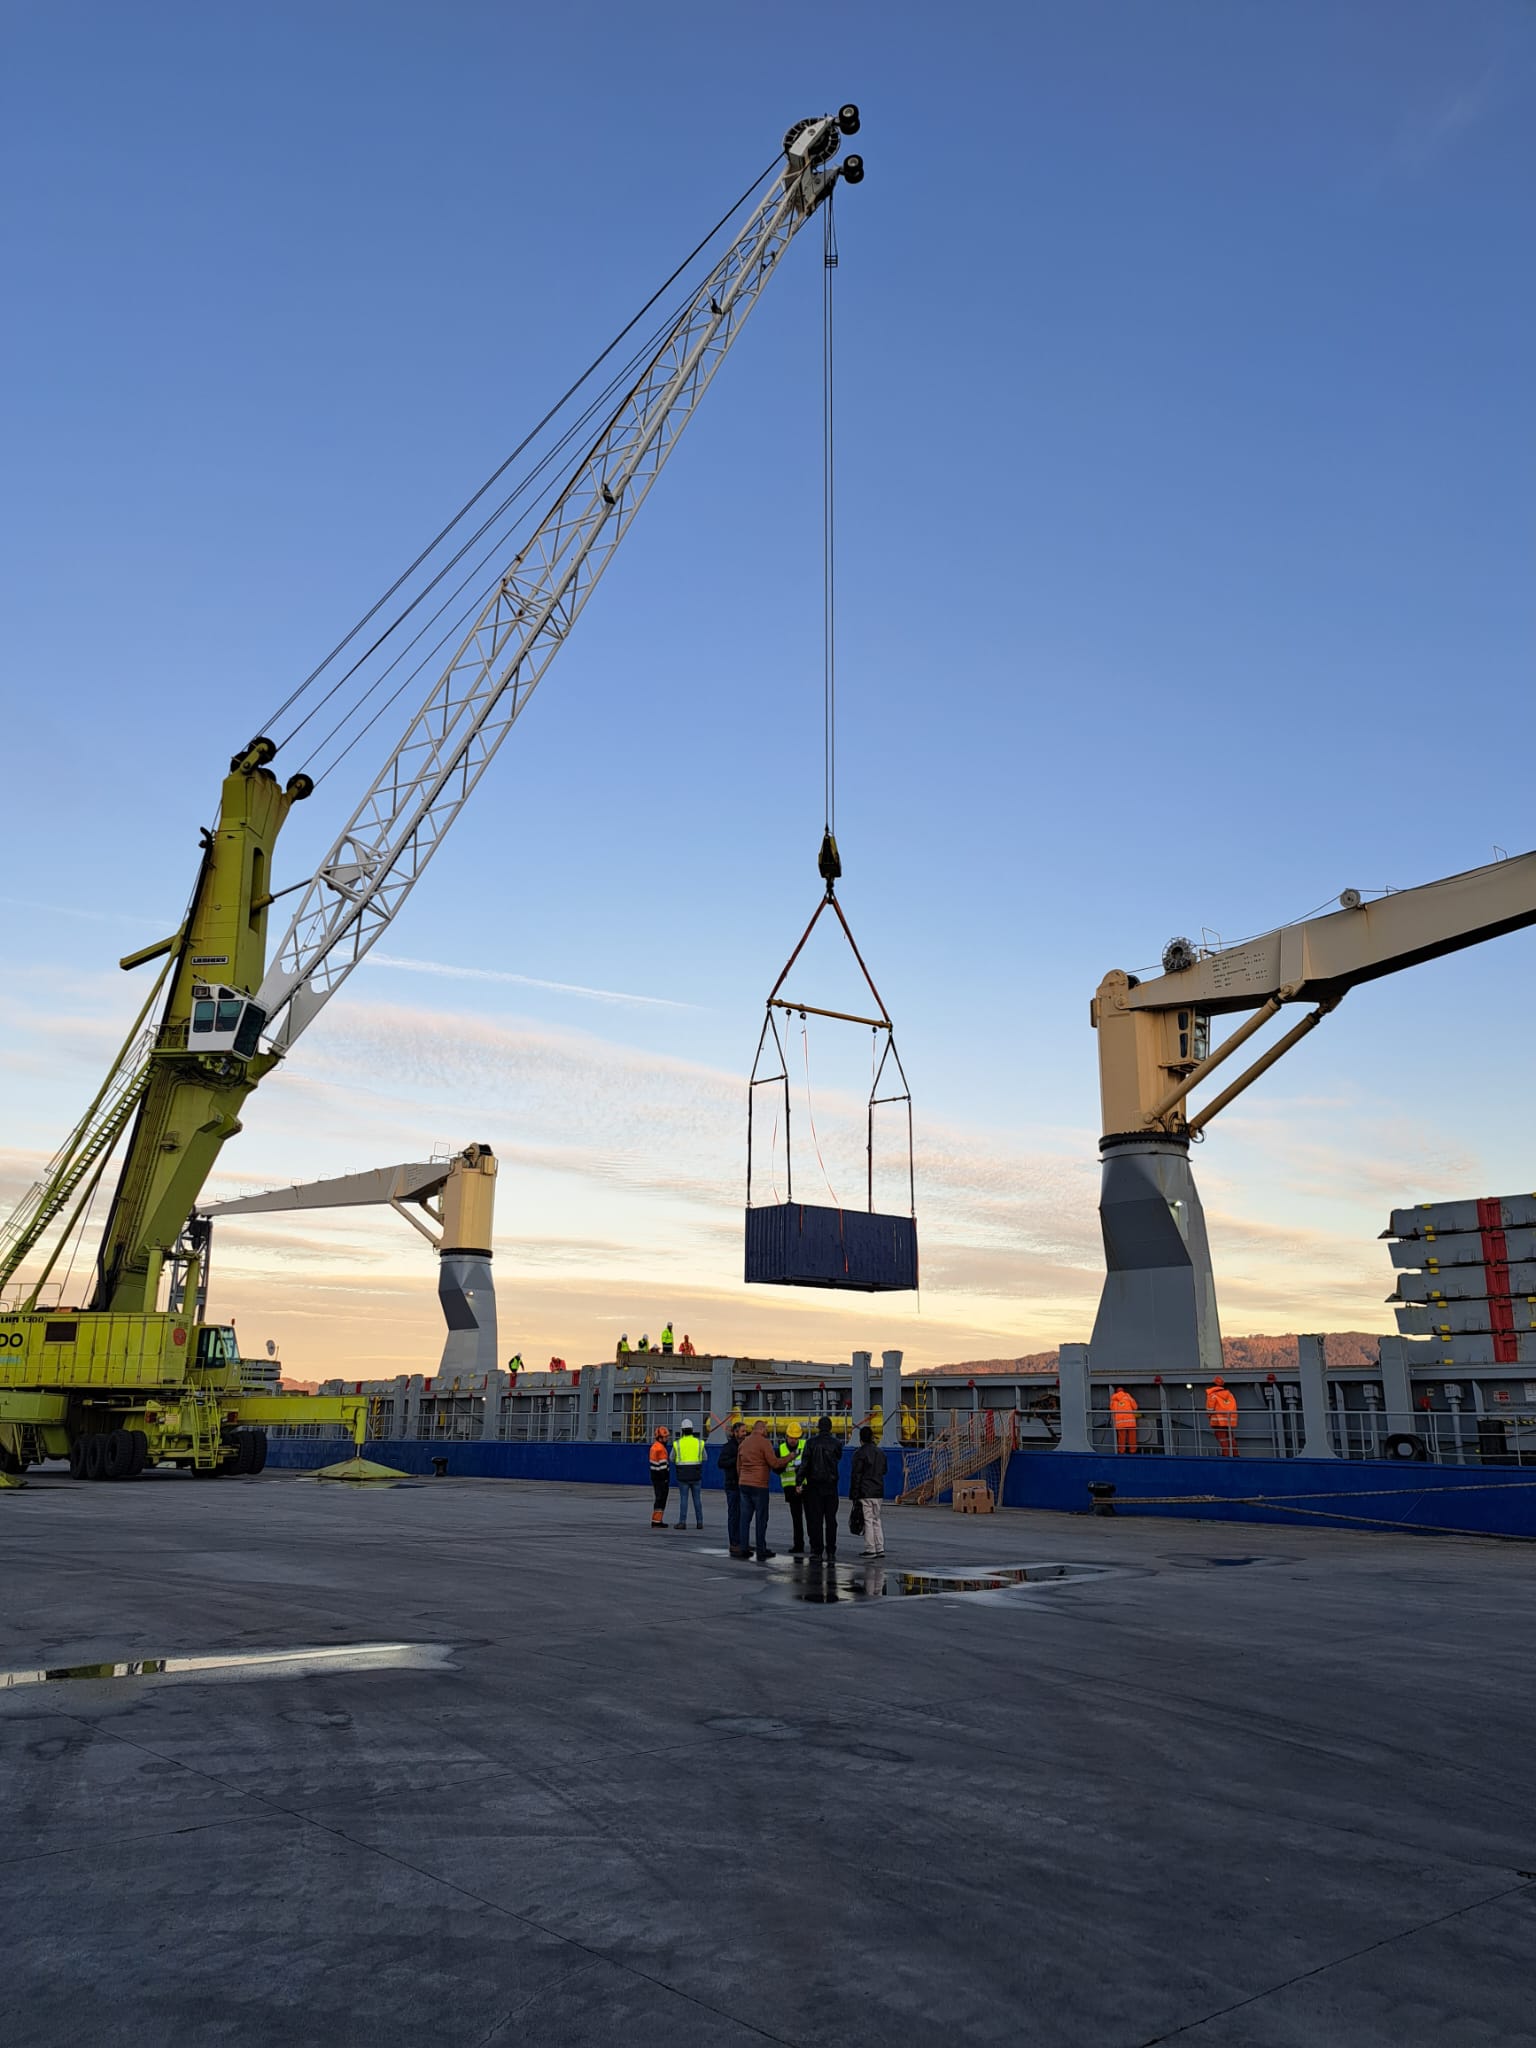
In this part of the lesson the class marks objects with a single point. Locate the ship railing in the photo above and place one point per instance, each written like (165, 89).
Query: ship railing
(1498, 1437)
(1440, 1436)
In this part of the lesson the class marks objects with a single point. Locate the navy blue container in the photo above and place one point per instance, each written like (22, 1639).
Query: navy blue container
(795, 1245)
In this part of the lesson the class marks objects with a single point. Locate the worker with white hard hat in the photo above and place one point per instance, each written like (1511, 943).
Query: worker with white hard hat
(688, 1471)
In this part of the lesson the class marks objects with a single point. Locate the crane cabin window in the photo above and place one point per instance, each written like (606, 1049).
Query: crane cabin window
(216, 1346)
(226, 1021)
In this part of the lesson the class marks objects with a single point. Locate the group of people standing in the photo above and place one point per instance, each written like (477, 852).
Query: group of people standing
(809, 1470)
(666, 1346)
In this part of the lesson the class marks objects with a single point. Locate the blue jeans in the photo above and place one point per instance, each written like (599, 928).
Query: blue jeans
(684, 1488)
(733, 1517)
(754, 1508)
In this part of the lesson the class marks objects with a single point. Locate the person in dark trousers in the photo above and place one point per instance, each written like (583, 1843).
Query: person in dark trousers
(688, 1471)
(756, 1462)
(791, 1448)
(866, 1483)
(661, 1474)
(819, 1466)
(729, 1451)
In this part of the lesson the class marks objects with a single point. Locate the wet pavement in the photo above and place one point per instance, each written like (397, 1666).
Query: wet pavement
(475, 1762)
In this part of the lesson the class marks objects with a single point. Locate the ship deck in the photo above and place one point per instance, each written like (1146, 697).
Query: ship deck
(579, 1782)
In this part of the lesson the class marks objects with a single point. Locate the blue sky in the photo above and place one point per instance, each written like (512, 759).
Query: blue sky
(1187, 510)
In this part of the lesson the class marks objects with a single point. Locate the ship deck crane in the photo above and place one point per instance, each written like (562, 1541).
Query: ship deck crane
(452, 1202)
(121, 1367)
(1158, 1308)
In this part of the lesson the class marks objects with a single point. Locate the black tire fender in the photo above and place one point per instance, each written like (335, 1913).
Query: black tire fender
(1404, 1447)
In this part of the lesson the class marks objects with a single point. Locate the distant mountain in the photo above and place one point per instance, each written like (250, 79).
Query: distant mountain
(1238, 1354)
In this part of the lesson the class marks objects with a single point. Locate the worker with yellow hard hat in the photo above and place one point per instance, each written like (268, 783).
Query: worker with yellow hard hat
(791, 1445)
(661, 1474)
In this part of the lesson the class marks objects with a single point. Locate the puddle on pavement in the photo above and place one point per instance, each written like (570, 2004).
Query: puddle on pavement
(822, 1585)
(1202, 1564)
(245, 1664)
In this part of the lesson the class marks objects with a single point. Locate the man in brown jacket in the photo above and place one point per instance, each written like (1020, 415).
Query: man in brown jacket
(756, 1462)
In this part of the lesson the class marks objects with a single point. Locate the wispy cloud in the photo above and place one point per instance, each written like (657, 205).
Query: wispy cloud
(448, 972)
(1427, 135)
(160, 922)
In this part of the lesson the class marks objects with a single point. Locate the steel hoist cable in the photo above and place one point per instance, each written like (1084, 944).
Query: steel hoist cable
(496, 474)
(828, 527)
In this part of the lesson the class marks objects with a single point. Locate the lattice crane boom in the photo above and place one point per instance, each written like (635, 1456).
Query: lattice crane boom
(384, 847)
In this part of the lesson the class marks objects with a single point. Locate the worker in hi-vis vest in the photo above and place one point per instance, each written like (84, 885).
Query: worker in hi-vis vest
(688, 1470)
(666, 1339)
(790, 1450)
(1221, 1414)
(1122, 1408)
(661, 1475)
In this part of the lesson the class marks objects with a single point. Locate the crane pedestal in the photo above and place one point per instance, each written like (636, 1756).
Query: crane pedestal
(1158, 1309)
(468, 1295)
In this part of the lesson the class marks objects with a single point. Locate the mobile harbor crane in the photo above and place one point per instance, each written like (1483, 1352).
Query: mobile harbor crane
(1158, 1308)
(122, 1381)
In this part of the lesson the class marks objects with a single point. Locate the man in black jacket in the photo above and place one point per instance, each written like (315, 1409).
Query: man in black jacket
(818, 1484)
(866, 1483)
(728, 1454)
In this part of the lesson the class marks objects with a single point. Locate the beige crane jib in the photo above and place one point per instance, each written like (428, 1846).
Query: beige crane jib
(1158, 1308)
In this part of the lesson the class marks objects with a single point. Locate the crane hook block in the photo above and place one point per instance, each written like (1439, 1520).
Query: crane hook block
(828, 862)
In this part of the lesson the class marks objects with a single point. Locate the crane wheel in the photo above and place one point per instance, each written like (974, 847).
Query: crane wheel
(77, 1457)
(93, 1458)
(140, 1442)
(258, 1451)
(117, 1455)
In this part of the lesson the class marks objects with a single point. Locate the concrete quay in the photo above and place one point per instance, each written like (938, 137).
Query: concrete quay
(547, 1776)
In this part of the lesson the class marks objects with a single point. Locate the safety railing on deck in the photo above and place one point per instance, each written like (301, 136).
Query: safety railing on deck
(1427, 1436)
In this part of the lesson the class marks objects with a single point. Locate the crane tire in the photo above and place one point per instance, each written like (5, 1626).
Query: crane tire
(258, 1451)
(77, 1457)
(1404, 1447)
(117, 1455)
(93, 1458)
(140, 1441)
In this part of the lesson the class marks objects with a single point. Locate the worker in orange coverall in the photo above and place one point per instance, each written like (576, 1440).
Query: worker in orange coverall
(661, 1475)
(1221, 1414)
(1122, 1408)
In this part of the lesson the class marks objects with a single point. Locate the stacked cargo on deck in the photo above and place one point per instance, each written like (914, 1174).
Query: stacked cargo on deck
(1466, 1281)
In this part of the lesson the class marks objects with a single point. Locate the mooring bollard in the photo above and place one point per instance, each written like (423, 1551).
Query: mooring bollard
(1102, 1493)
(440, 1470)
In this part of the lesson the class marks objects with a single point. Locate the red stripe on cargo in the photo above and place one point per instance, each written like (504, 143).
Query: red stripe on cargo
(1490, 1224)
